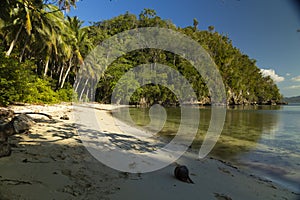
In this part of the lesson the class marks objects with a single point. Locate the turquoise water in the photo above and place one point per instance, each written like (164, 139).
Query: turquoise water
(262, 139)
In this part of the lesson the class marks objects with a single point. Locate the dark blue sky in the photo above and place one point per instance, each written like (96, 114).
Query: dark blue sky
(266, 30)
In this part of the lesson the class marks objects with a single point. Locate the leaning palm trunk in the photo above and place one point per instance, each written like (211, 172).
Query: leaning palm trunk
(12, 44)
(24, 48)
(60, 75)
(46, 67)
(66, 74)
(77, 82)
(82, 91)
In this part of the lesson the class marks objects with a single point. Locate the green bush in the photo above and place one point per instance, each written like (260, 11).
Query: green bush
(40, 91)
(14, 79)
(66, 94)
(18, 83)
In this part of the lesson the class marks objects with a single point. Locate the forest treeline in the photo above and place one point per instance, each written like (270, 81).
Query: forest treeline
(42, 50)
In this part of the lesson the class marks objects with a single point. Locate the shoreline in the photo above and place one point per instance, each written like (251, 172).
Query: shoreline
(51, 163)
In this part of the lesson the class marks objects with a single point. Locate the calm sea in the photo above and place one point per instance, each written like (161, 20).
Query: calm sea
(262, 139)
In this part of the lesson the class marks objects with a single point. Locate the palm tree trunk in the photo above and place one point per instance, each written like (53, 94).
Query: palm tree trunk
(24, 48)
(87, 95)
(80, 97)
(46, 66)
(66, 74)
(12, 44)
(92, 94)
(77, 84)
(60, 75)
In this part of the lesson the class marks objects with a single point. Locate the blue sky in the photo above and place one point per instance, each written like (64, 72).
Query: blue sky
(265, 30)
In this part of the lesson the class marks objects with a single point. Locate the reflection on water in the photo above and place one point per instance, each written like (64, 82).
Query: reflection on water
(242, 129)
(265, 139)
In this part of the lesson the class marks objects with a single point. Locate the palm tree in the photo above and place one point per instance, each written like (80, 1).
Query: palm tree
(19, 22)
(66, 4)
(79, 43)
(62, 4)
(48, 35)
(47, 25)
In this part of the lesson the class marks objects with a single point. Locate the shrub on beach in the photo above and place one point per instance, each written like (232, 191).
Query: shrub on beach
(40, 92)
(14, 80)
(19, 83)
(66, 94)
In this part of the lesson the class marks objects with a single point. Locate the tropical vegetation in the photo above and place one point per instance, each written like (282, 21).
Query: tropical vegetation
(43, 49)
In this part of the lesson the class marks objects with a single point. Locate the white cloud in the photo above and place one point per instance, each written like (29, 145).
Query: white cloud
(288, 74)
(293, 87)
(272, 74)
(297, 78)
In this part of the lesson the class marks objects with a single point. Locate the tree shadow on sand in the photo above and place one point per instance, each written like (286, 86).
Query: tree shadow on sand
(52, 155)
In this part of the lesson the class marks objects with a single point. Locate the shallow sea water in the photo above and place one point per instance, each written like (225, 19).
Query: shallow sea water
(262, 139)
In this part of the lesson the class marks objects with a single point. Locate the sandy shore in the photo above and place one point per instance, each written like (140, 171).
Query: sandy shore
(51, 163)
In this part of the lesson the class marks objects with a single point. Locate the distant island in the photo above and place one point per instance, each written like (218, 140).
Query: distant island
(292, 99)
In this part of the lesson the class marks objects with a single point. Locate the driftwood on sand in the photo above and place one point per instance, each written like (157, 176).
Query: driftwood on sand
(14, 123)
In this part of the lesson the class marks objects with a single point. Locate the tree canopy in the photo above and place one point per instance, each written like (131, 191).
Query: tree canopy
(242, 78)
(43, 50)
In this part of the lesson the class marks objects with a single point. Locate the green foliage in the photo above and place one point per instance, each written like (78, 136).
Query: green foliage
(40, 91)
(242, 78)
(66, 94)
(14, 78)
(18, 83)
(44, 51)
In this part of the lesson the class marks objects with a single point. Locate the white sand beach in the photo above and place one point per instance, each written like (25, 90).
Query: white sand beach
(51, 162)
